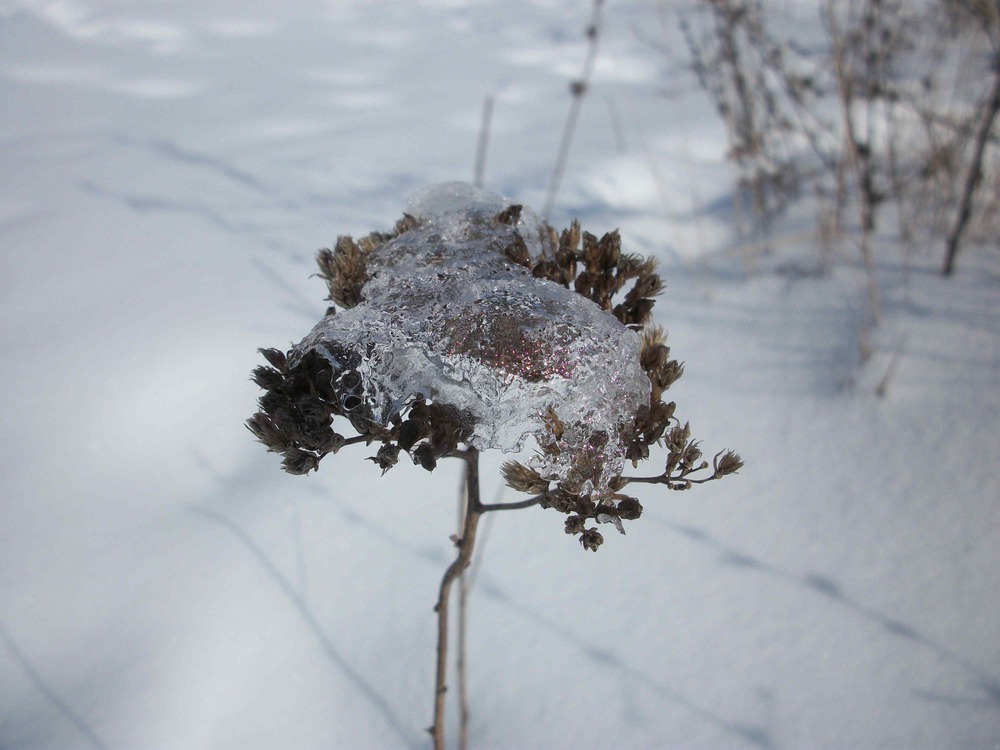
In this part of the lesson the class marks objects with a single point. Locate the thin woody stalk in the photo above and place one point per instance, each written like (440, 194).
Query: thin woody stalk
(463, 682)
(578, 89)
(466, 545)
(460, 660)
(975, 174)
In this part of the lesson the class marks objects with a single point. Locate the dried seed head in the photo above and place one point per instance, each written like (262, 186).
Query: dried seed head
(560, 500)
(610, 246)
(331, 442)
(519, 477)
(692, 453)
(666, 374)
(405, 224)
(652, 336)
(423, 454)
(510, 215)
(575, 524)
(727, 462)
(591, 539)
(267, 432)
(569, 240)
(298, 461)
(629, 509)
(350, 273)
(276, 358)
(678, 437)
(266, 377)
(386, 457)
(584, 505)
(412, 430)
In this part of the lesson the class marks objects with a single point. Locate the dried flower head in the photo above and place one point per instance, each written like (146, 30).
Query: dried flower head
(473, 324)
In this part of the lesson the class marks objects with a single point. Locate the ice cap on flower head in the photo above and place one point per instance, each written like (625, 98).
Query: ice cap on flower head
(446, 316)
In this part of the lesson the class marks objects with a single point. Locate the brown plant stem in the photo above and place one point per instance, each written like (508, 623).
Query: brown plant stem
(463, 688)
(858, 160)
(463, 609)
(663, 479)
(975, 173)
(466, 545)
(483, 142)
(578, 89)
(358, 439)
(527, 503)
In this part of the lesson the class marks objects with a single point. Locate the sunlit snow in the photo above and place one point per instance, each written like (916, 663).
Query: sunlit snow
(163, 585)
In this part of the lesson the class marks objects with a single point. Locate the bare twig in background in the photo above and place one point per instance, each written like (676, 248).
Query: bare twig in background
(883, 386)
(850, 48)
(898, 73)
(617, 126)
(734, 60)
(974, 175)
(578, 89)
(482, 144)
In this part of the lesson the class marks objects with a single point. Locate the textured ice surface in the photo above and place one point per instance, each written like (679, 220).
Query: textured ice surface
(446, 315)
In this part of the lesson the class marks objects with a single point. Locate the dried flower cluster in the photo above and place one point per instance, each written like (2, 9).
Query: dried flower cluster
(598, 270)
(304, 393)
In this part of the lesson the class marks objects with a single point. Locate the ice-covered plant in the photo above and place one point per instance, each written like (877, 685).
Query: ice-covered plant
(474, 325)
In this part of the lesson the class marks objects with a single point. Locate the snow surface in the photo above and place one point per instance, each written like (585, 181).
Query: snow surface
(167, 172)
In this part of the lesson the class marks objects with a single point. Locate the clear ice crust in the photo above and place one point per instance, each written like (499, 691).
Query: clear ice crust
(446, 316)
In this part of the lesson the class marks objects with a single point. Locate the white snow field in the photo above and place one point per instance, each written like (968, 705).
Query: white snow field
(167, 171)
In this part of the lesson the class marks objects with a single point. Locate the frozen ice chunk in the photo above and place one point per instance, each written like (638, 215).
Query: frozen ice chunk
(446, 315)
